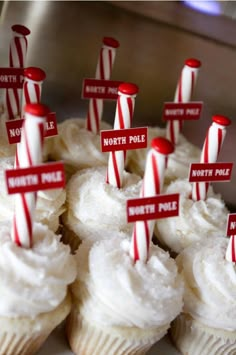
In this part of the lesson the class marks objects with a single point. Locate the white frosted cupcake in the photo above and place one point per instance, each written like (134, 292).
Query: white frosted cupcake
(34, 289)
(50, 203)
(178, 162)
(207, 324)
(95, 209)
(120, 307)
(196, 220)
(76, 146)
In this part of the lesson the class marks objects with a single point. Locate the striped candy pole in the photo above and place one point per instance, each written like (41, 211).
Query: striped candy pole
(17, 57)
(32, 87)
(123, 116)
(183, 93)
(30, 154)
(230, 254)
(103, 72)
(152, 185)
(210, 151)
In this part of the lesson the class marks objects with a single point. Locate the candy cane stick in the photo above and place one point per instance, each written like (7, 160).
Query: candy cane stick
(230, 254)
(183, 93)
(32, 87)
(124, 113)
(29, 154)
(210, 151)
(32, 90)
(103, 72)
(17, 56)
(152, 185)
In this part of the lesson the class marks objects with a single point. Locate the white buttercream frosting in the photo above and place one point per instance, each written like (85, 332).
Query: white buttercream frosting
(196, 220)
(50, 203)
(76, 145)
(123, 293)
(96, 209)
(178, 162)
(210, 283)
(35, 280)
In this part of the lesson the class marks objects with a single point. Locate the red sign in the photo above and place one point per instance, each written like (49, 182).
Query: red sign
(208, 172)
(231, 225)
(123, 139)
(100, 89)
(14, 128)
(147, 208)
(11, 78)
(182, 111)
(35, 178)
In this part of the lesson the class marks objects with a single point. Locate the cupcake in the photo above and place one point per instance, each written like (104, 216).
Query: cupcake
(196, 219)
(96, 209)
(207, 324)
(76, 146)
(121, 307)
(34, 289)
(50, 203)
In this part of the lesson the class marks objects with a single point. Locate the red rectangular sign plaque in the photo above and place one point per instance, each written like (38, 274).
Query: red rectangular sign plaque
(100, 89)
(123, 139)
(147, 208)
(11, 78)
(231, 225)
(182, 110)
(35, 178)
(209, 172)
(14, 128)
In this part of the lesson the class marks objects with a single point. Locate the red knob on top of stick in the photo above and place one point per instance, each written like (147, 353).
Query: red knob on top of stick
(193, 63)
(128, 89)
(222, 120)
(34, 73)
(22, 30)
(162, 145)
(36, 109)
(111, 42)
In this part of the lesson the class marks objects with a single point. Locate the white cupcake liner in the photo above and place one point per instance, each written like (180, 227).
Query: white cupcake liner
(194, 338)
(88, 339)
(25, 336)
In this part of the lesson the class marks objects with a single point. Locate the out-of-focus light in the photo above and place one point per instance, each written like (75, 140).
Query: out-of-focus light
(210, 7)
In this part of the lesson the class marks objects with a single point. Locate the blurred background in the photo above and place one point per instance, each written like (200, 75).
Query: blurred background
(155, 39)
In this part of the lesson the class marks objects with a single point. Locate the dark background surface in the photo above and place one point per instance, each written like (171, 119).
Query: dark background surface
(155, 39)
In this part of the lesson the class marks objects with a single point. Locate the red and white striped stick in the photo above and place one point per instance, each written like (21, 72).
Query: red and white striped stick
(32, 87)
(32, 90)
(152, 185)
(29, 154)
(17, 57)
(123, 117)
(103, 72)
(230, 254)
(210, 152)
(183, 93)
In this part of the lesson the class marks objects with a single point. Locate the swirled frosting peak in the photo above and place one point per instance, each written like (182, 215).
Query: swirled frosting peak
(210, 283)
(121, 293)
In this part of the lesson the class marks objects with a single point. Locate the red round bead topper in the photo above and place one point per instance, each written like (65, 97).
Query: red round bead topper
(162, 145)
(111, 42)
(36, 109)
(128, 89)
(222, 120)
(22, 30)
(34, 73)
(193, 63)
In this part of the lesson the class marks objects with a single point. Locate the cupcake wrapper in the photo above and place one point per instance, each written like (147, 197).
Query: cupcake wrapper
(71, 239)
(24, 336)
(87, 339)
(194, 338)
